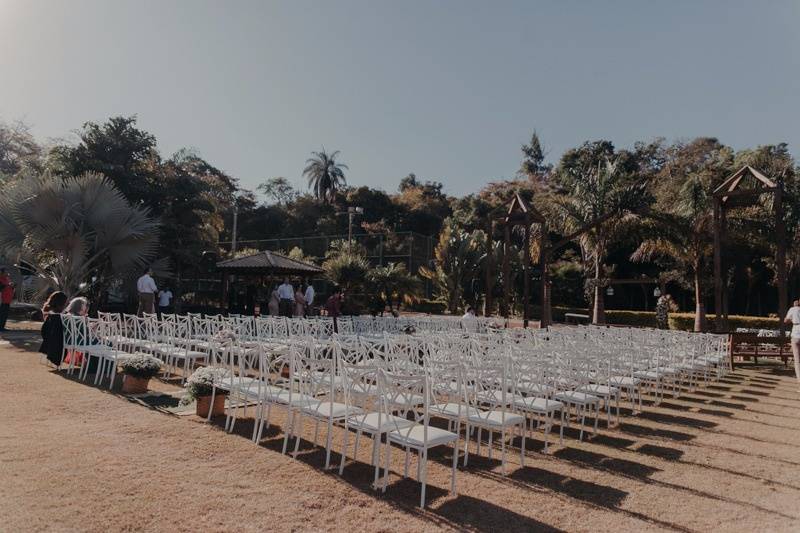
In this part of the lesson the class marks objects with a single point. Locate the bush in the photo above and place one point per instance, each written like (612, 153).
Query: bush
(139, 365)
(639, 319)
(685, 322)
(432, 307)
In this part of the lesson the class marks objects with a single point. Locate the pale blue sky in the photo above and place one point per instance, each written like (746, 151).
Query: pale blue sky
(446, 89)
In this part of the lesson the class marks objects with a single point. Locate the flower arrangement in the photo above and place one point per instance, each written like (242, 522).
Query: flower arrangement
(139, 365)
(201, 383)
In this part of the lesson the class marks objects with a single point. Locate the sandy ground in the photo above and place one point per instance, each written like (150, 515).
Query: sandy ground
(77, 458)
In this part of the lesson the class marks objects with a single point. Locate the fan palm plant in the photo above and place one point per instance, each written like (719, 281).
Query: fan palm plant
(457, 258)
(75, 233)
(325, 175)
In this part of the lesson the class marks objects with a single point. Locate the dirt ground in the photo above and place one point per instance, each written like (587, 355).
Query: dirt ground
(74, 457)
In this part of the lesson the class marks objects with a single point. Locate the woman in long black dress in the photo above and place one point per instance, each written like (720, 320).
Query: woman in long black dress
(53, 329)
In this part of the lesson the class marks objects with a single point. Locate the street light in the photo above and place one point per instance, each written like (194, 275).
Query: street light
(352, 212)
(656, 292)
(610, 291)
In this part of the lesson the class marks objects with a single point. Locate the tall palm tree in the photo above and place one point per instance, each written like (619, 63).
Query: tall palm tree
(600, 203)
(684, 236)
(77, 234)
(325, 175)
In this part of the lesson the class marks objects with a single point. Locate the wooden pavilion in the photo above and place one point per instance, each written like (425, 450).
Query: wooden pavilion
(258, 271)
(743, 189)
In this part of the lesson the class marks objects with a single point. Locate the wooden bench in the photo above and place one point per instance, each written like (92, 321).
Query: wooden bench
(577, 317)
(751, 346)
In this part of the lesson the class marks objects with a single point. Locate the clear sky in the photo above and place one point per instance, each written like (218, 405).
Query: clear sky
(446, 89)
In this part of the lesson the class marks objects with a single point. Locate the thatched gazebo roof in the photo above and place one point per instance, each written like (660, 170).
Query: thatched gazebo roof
(267, 263)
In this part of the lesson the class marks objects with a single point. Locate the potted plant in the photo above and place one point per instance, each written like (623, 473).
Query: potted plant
(137, 369)
(200, 389)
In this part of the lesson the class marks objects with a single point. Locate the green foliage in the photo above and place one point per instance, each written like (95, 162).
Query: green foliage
(432, 307)
(685, 322)
(392, 285)
(76, 233)
(346, 266)
(457, 257)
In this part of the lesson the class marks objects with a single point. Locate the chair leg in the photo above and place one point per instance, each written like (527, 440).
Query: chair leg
(289, 427)
(344, 450)
(328, 444)
(424, 476)
(455, 464)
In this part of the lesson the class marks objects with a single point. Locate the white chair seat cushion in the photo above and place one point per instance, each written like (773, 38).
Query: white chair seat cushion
(494, 397)
(330, 410)
(538, 405)
(187, 354)
(495, 418)
(648, 374)
(406, 400)
(576, 398)
(599, 390)
(535, 389)
(414, 436)
(624, 381)
(370, 422)
(451, 410)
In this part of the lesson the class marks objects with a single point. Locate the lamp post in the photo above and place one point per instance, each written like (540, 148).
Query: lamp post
(351, 213)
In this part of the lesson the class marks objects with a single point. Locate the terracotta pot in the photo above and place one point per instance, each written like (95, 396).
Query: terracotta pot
(204, 403)
(134, 385)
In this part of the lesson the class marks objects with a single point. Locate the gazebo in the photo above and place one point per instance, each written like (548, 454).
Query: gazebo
(743, 189)
(257, 270)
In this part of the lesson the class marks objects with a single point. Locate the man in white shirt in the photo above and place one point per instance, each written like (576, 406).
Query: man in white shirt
(469, 321)
(286, 298)
(164, 300)
(147, 289)
(793, 318)
(309, 296)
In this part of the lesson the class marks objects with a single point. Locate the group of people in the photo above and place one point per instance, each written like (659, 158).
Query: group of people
(287, 301)
(148, 291)
(53, 327)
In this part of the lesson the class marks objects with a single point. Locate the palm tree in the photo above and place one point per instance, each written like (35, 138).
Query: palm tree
(599, 206)
(325, 175)
(77, 234)
(394, 283)
(684, 236)
(457, 259)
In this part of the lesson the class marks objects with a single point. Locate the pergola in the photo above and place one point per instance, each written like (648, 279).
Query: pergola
(264, 267)
(520, 213)
(742, 189)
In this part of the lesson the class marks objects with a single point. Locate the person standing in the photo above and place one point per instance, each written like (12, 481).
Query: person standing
(147, 289)
(299, 303)
(309, 297)
(793, 318)
(334, 307)
(164, 301)
(286, 295)
(6, 295)
(469, 321)
(274, 305)
(53, 328)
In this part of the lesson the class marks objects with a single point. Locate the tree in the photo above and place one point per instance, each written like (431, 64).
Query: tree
(325, 175)
(119, 151)
(19, 151)
(533, 165)
(279, 190)
(679, 227)
(393, 284)
(76, 234)
(457, 260)
(596, 194)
